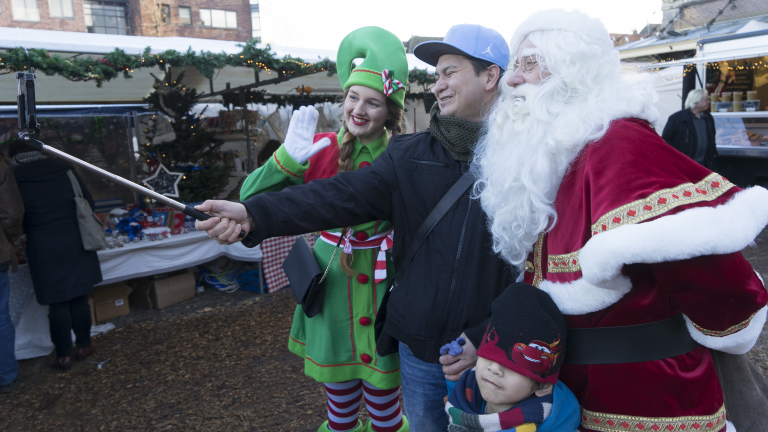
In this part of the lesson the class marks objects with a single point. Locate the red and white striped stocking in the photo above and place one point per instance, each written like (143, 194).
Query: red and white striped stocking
(383, 407)
(343, 404)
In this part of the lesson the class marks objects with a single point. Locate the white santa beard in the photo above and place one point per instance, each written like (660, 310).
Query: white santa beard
(520, 164)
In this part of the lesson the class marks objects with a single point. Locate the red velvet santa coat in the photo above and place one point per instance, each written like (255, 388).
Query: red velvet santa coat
(643, 234)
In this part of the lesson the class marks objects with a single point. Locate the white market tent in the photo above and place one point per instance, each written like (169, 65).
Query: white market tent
(69, 44)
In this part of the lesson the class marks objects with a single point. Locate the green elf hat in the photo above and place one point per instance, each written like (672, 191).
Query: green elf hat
(384, 67)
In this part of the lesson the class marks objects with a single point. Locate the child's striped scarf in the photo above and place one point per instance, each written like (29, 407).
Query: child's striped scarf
(465, 412)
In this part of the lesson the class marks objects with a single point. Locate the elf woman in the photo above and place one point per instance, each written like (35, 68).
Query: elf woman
(338, 344)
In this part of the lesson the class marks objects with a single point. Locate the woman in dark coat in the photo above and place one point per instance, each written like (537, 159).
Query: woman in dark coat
(63, 272)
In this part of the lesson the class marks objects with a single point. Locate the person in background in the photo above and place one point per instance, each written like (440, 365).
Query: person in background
(11, 216)
(269, 148)
(373, 112)
(63, 272)
(692, 130)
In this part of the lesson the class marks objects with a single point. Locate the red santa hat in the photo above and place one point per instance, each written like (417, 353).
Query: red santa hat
(579, 23)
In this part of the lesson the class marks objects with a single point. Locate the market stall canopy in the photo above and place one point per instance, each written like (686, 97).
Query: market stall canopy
(92, 43)
(731, 47)
(686, 39)
(58, 90)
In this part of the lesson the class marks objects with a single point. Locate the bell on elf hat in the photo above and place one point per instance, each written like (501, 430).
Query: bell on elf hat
(384, 68)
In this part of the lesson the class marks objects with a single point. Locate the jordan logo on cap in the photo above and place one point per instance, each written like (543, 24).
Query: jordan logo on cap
(488, 50)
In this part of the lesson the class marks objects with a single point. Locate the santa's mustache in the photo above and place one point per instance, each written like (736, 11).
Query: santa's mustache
(523, 92)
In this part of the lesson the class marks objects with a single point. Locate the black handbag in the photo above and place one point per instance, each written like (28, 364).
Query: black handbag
(385, 343)
(306, 278)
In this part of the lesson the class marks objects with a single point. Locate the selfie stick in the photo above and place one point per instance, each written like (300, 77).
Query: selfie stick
(28, 125)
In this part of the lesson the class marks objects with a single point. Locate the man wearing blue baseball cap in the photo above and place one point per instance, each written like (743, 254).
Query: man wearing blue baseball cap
(465, 48)
(449, 284)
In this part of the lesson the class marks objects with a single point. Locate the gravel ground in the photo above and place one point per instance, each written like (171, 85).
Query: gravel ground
(758, 257)
(215, 362)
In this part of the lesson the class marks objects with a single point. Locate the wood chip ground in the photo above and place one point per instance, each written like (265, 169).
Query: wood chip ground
(218, 362)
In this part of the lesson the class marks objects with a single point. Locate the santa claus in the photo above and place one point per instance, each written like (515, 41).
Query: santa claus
(636, 243)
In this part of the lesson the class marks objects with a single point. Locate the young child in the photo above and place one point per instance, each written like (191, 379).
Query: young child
(514, 385)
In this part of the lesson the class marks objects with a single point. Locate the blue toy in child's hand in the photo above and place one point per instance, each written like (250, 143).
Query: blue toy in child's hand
(454, 348)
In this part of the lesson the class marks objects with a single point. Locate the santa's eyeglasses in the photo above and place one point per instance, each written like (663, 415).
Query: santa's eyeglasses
(528, 63)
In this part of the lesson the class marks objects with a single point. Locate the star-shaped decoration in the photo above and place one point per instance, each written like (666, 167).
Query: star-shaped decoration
(164, 182)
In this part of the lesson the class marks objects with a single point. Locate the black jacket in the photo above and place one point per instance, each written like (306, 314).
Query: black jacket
(680, 133)
(455, 276)
(61, 268)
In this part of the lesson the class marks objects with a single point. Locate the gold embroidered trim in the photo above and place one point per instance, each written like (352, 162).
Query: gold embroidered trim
(537, 260)
(638, 211)
(617, 422)
(663, 201)
(566, 263)
(729, 331)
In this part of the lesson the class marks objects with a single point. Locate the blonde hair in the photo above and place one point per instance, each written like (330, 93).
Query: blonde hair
(394, 125)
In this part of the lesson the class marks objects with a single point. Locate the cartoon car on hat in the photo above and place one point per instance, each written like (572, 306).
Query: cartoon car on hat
(537, 356)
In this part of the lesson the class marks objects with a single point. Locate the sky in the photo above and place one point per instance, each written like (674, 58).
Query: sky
(323, 24)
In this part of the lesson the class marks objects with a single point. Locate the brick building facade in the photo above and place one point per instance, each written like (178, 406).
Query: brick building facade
(208, 19)
(684, 14)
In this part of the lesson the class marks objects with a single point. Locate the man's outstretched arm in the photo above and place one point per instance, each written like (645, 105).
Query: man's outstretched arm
(347, 199)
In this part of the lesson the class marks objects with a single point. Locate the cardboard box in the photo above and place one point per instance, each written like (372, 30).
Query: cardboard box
(162, 293)
(111, 301)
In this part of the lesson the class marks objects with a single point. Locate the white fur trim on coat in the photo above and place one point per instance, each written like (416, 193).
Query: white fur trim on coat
(701, 231)
(737, 343)
(580, 297)
(729, 427)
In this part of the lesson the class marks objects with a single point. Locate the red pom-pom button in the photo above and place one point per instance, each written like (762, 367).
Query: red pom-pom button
(366, 358)
(364, 164)
(361, 236)
(362, 278)
(365, 321)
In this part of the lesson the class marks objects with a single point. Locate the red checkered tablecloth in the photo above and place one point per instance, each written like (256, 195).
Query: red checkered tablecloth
(274, 251)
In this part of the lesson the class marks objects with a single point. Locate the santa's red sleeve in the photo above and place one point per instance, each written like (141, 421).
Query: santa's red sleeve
(649, 204)
(721, 297)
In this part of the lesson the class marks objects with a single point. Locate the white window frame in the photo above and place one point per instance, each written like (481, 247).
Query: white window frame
(225, 19)
(25, 10)
(61, 9)
(188, 8)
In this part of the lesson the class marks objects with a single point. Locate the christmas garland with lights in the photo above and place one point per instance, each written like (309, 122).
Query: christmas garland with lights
(118, 62)
(207, 63)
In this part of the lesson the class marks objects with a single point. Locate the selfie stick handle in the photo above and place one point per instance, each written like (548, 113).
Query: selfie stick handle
(187, 210)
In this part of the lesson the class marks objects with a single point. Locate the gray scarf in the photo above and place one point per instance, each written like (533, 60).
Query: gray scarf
(458, 136)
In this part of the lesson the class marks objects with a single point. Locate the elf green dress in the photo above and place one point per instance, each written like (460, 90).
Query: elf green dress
(338, 343)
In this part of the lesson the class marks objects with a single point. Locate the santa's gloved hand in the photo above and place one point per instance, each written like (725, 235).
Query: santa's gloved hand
(301, 133)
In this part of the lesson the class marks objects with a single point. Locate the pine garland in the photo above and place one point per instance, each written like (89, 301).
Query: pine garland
(118, 62)
(207, 63)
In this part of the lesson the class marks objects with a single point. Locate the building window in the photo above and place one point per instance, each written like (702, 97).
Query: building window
(218, 18)
(106, 17)
(165, 13)
(61, 8)
(25, 10)
(255, 21)
(185, 15)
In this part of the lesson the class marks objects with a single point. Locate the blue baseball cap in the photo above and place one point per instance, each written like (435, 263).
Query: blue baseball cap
(470, 40)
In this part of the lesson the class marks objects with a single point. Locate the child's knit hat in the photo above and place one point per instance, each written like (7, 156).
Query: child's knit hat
(526, 333)
(384, 68)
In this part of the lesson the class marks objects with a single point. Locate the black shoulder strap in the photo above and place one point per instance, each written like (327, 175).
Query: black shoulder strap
(446, 202)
